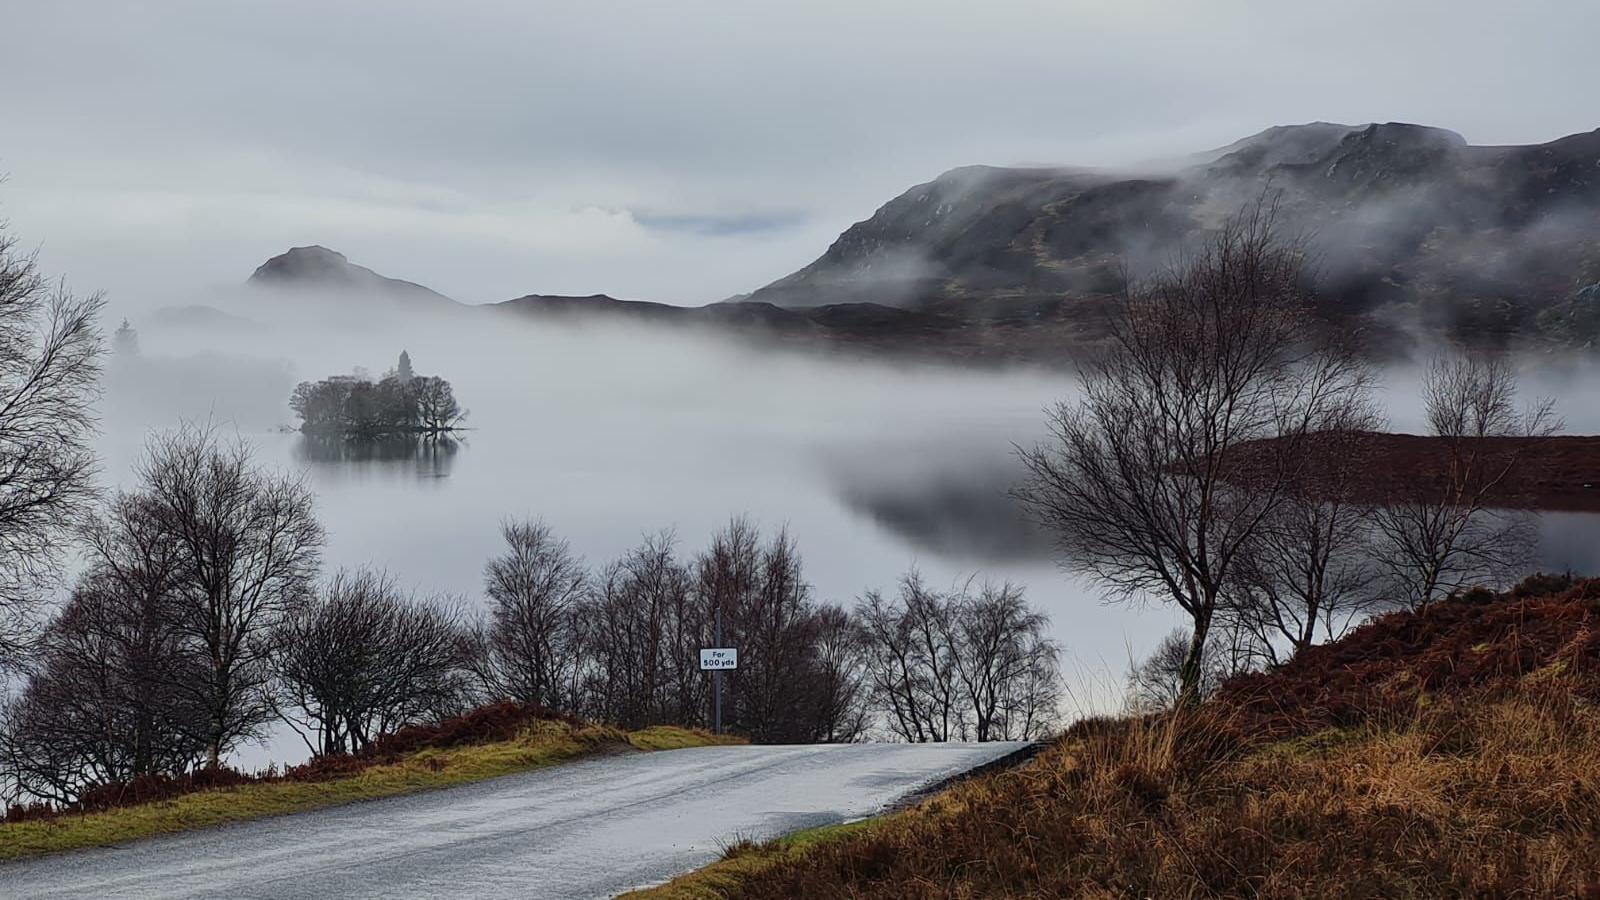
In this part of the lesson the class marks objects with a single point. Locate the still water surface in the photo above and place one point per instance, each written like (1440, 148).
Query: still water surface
(610, 434)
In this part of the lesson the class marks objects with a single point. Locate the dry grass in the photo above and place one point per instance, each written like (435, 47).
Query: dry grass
(748, 860)
(671, 737)
(1501, 799)
(539, 744)
(1477, 775)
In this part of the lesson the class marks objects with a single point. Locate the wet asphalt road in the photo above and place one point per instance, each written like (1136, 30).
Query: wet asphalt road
(587, 829)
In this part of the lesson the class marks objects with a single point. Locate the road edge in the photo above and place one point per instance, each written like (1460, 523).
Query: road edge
(747, 860)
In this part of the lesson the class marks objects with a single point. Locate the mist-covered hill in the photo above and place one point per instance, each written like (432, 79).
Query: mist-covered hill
(317, 269)
(1406, 220)
(1415, 232)
(322, 287)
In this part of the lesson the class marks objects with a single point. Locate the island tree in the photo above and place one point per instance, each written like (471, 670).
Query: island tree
(437, 409)
(355, 406)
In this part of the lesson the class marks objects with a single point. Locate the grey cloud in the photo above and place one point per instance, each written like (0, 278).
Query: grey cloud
(159, 148)
(712, 225)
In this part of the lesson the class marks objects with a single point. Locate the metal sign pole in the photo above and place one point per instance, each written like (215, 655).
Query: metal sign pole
(716, 674)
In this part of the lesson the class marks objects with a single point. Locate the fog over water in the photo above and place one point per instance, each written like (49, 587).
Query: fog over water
(610, 433)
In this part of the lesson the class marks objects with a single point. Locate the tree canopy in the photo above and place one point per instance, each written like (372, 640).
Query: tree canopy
(400, 403)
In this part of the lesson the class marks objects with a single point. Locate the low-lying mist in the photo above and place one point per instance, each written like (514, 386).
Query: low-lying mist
(608, 432)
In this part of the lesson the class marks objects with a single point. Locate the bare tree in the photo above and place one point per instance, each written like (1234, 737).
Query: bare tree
(365, 659)
(1143, 480)
(250, 545)
(1443, 534)
(1308, 571)
(776, 626)
(1157, 682)
(527, 650)
(106, 701)
(634, 666)
(437, 409)
(839, 688)
(50, 351)
(911, 666)
(1030, 700)
(1005, 663)
(760, 589)
(959, 665)
(727, 577)
(648, 615)
(623, 645)
(892, 666)
(688, 628)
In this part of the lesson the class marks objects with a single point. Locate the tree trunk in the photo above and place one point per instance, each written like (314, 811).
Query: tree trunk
(1189, 673)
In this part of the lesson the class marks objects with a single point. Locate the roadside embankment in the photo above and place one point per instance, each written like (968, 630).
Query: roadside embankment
(501, 739)
(1452, 751)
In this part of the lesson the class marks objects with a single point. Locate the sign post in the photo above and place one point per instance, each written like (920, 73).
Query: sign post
(716, 660)
(716, 676)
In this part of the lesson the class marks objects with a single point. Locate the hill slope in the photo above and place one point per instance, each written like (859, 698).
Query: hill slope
(316, 269)
(1468, 237)
(1449, 752)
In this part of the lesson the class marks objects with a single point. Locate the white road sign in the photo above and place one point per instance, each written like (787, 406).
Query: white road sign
(719, 658)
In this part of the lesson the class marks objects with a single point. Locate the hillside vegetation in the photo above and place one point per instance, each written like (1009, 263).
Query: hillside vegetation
(1452, 751)
(500, 739)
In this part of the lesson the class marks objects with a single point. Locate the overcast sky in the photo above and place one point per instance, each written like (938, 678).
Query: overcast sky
(676, 150)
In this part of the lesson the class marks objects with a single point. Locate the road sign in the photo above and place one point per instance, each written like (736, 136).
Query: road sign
(717, 658)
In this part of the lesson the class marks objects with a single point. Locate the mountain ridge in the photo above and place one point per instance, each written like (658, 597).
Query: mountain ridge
(1403, 216)
(1414, 230)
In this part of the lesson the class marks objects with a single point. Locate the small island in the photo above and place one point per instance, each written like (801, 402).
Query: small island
(401, 402)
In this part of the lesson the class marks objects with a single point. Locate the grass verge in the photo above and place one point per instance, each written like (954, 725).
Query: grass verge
(540, 744)
(746, 861)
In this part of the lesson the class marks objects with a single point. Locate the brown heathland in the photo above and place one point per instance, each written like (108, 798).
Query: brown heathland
(1546, 473)
(1449, 752)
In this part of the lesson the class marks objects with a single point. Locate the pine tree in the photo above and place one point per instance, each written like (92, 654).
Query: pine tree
(126, 341)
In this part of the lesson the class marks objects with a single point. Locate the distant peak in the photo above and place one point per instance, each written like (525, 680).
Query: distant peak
(1407, 133)
(311, 263)
(317, 268)
(315, 251)
(1279, 145)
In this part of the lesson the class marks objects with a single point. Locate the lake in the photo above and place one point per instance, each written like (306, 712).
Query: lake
(610, 433)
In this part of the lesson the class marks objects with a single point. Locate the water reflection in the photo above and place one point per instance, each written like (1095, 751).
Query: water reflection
(1569, 542)
(416, 456)
(963, 514)
(966, 513)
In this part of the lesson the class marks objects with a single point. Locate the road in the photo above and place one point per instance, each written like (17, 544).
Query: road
(586, 829)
